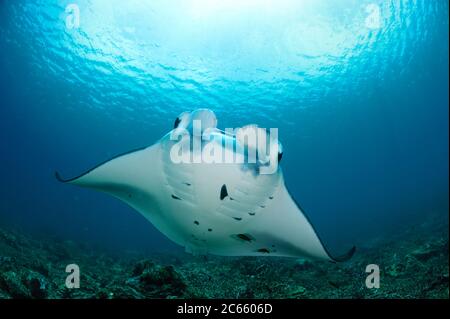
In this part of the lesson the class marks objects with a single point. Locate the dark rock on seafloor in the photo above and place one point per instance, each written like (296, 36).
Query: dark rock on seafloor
(163, 279)
(11, 283)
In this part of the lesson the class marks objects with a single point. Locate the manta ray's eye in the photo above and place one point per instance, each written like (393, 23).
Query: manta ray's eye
(177, 122)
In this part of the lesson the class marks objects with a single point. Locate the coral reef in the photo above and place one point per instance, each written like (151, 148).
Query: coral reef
(413, 264)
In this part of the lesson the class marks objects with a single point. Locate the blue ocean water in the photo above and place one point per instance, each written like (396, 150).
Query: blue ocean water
(357, 88)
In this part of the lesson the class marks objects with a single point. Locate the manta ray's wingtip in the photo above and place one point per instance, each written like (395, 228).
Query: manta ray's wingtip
(59, 178)
(345, 257)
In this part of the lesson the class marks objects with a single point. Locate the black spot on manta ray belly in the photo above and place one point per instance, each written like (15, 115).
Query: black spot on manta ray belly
(263, 250)
(196, 222)
(237, 218)
(223, 192)
(176, 197)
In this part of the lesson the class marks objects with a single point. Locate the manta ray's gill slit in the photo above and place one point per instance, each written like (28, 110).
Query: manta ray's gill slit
(244, 237)
(187, 184)
(251, 214)
(184, 190)
(176, 197)
(237, 218)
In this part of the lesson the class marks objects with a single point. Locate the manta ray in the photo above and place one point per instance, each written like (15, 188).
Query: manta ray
(228, 209)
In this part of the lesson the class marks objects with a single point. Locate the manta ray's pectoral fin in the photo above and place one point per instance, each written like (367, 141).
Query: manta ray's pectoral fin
(127, 176)
(282, 228)
(320, 248)
(313, 233)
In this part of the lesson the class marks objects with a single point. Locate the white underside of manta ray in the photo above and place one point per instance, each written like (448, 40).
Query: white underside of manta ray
(224, 209)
